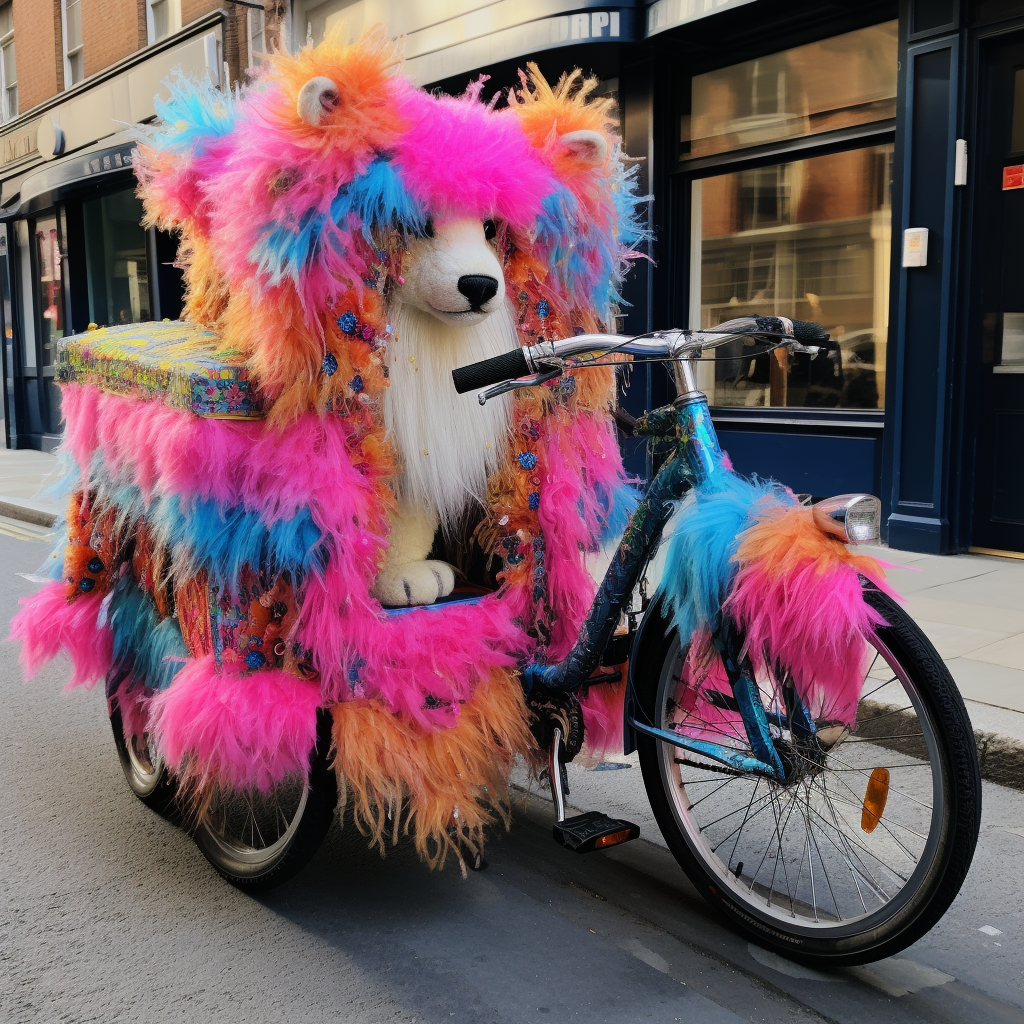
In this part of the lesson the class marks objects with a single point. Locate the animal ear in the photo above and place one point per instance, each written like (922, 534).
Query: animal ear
(318, 98)
(589, 147)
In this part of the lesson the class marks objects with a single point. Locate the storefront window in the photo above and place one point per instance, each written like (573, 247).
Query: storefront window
(116, 267)
(808, 239)
(51, 288)
(835, 83)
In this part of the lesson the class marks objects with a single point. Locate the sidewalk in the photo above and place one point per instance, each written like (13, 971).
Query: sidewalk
(971, 607)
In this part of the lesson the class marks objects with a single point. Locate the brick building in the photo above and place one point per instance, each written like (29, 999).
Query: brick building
(75, 76)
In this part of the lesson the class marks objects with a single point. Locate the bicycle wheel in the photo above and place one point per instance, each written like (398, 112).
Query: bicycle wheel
(144, 769)
(257, 840)
(866, 844)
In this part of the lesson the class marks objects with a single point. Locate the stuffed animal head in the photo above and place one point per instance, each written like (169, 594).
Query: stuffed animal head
(333, 186)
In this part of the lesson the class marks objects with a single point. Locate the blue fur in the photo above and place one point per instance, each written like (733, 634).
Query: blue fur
(196, 112)
(698, 560)
(620, 504)
(147, 647)
(377, 199)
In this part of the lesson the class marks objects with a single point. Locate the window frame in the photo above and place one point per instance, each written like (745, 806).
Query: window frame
(6, 114)
(682, 173)
(252, 12)
(79, 51)
(174, 20)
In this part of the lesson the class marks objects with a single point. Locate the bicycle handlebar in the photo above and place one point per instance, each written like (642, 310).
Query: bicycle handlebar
(673, 344)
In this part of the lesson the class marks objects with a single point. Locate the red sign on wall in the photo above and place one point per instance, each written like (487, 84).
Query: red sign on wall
(1013, 177)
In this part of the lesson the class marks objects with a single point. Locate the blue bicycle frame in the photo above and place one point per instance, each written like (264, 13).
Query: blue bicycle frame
(697, 455)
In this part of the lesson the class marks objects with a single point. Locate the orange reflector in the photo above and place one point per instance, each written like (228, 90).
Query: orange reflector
(612, 839)
(874, 799)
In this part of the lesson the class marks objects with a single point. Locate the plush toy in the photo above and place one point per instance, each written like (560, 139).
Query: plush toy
(272, 473)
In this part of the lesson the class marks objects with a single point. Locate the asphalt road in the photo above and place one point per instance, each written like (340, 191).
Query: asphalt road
(109, 913)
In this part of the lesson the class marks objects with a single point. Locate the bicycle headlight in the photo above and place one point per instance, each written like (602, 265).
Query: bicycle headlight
(853, 518)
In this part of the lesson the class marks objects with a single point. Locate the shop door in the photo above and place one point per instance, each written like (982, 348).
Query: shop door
(999, 184)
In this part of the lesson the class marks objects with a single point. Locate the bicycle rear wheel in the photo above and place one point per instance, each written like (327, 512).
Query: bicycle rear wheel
(257, 840)
(866, 844)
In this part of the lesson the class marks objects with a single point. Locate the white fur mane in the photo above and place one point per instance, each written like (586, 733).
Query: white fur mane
(448, 443)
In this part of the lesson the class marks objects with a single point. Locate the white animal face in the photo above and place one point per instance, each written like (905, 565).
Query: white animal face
(453, 273)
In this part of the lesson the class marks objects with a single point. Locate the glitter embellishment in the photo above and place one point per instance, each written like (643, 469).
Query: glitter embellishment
(534, 500)
(330, 364)
(543, 309)
(527, 460)
(356, 383)
(347, 322)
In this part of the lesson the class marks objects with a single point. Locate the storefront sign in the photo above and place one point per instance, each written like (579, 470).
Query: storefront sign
(666, 14)
(609, 25)
(18, 145)
(1013, 177)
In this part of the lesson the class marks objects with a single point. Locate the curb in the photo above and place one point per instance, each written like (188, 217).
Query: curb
(1001, 759)
(28, 514)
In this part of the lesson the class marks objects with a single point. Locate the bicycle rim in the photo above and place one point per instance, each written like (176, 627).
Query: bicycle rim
(848, 843)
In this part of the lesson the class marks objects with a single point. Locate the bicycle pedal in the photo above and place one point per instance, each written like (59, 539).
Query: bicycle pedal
(592, 831)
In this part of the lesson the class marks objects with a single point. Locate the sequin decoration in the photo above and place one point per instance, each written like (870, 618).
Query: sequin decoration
(347, 322)
(330, 364)
(543, 309)
(356, 383)
(534, 500)
(527, 460)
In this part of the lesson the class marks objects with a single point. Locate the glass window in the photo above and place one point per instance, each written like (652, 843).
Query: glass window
(8, 69)
(257, 34)
(74, 66)
(50, 286)
(163, 17)
(809, 240)
(835, 83)
(117, 271)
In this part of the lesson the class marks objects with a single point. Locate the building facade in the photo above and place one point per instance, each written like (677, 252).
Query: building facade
(794, 151)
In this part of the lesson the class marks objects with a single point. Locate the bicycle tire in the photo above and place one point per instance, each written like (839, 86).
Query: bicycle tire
(256, 866)
(949, 844)
(144, 769)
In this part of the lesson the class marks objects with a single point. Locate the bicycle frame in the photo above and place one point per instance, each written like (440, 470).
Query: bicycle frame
(696, 456)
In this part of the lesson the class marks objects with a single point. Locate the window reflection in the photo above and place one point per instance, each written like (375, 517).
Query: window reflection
(835, 83)
(51, 293)
(117, 269)
(809, 240)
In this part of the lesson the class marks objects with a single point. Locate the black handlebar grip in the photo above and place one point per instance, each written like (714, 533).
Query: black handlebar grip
(507, 366)
(804, 330)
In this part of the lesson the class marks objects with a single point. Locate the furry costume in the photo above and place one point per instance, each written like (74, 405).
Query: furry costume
(220, 566)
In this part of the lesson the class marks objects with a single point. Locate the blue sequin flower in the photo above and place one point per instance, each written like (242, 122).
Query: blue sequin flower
(534, 500)
(255, 659)
(527, 460)
(330, 364)
(356, 383)
(543, 309)
(347, 322)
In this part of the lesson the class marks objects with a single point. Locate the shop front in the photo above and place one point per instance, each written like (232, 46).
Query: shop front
(74, 250)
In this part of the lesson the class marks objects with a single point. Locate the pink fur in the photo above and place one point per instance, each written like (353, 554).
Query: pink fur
(816, 623)
(239, 730)
(458, 155)
(602, 719)
(133, 701)
(47, 623)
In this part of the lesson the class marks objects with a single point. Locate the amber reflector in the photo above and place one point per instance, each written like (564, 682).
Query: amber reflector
(612, 839)
(874, 799)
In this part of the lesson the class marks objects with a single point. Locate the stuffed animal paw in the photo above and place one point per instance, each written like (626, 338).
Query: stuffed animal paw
(414, 583)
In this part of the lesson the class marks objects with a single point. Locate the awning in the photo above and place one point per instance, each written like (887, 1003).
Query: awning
(665, 14)
(53, 181)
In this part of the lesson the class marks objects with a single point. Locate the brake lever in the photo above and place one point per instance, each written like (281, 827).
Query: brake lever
(516, 385)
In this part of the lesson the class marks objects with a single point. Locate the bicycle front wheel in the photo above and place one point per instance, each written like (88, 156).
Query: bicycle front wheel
(866, 844)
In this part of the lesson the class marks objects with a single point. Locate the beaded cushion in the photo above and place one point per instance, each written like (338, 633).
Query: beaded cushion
(178, 362)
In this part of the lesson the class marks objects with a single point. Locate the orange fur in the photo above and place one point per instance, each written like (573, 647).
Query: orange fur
(389, 769)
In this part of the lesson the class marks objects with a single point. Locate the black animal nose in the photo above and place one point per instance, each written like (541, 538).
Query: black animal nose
(478, 289)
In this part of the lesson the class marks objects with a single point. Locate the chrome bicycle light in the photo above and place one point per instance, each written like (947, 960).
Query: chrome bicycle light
(853, 518)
